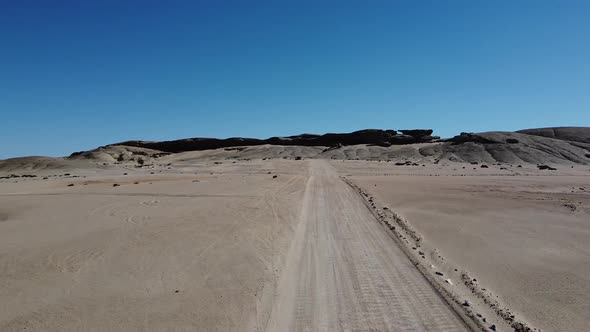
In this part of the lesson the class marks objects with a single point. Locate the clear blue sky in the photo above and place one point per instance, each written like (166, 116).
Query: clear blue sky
(78, 74)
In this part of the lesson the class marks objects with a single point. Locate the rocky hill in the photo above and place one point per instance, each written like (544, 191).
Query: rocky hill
(368, 136)
(539, 146)
(562, 145)
(574, 134)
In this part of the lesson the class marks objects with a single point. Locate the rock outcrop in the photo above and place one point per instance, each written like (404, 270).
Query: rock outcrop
(574, 134)
(566, 145)
(376, 137)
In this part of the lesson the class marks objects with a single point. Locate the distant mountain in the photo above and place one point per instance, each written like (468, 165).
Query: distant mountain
(368, 136)
(560, 145)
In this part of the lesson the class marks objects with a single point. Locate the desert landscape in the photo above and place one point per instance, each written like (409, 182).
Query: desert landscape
(375, 230)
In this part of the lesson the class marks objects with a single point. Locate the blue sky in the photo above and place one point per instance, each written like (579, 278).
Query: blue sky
(80, 74)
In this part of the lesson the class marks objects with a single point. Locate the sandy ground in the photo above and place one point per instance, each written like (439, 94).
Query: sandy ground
(168, 253)
(204, 246)
(523, 233)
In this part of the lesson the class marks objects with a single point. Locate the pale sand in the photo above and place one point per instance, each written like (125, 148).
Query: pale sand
(525, 238)
(230, 248)
(165, 254)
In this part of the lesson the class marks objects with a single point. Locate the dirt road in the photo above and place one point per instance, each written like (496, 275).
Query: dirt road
(344, 272)
(248, 246)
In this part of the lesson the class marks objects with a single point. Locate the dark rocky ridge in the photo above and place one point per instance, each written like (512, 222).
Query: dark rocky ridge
(376, 137)
(565, 145)
(544, 146)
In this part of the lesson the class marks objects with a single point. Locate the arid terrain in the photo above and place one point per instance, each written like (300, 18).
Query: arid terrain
(521, 233)
(485, 231)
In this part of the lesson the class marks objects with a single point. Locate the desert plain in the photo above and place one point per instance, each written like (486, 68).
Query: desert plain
(207, 241)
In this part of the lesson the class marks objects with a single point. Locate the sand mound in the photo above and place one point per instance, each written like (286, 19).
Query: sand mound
(25, 164)
(117, 153)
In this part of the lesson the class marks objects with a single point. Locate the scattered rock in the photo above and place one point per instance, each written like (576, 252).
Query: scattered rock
(439, 273)
(546, 167)
(484, 166)
(275, 176)
(466, 303)
(70, 185)
(116, 185)
(571, 206)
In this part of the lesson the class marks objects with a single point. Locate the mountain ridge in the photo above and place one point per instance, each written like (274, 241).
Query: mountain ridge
(556, 145)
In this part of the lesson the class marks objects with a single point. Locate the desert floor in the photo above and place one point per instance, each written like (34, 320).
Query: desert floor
(277, 245)
(524, 234)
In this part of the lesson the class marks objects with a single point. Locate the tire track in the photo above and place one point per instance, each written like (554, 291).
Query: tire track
(344, 273)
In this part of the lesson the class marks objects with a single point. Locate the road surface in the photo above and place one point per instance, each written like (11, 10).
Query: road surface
(344, 272)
